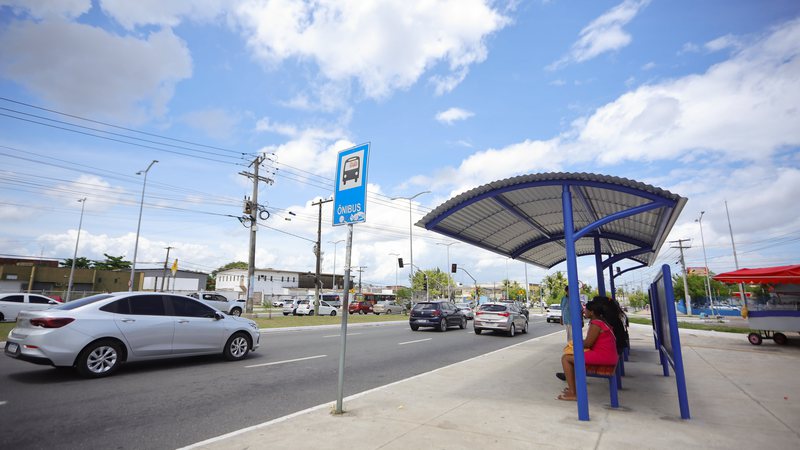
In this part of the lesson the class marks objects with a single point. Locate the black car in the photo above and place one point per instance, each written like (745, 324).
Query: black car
(439, 315)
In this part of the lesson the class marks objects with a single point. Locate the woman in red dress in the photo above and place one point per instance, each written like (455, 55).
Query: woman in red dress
(600, 347)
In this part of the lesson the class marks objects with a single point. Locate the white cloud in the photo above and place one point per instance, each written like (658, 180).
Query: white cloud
(723, 42)
(265, 124)
(42, 9)
(131, 14)
(689, 47)
(649, 66)
(603, 35)
(384, 45)
(84, 69)
(452, 115)
(216, 123)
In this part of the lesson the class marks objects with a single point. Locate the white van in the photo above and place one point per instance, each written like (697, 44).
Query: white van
(234, 307)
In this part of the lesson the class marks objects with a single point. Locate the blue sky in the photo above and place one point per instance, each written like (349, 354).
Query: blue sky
(699, 98)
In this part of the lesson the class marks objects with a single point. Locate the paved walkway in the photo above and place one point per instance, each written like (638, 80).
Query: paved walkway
(741, 397)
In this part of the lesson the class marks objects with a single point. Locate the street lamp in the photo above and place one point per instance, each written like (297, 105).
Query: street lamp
(139, 225)
(705, 259)
(395, 270)
(335, 286)
(411, 234)
(75, 254)
(448, 265)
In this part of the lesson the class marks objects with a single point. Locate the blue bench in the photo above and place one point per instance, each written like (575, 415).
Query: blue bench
(612, 374)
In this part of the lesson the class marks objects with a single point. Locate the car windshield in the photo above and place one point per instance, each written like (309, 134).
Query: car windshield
(555, 306)
(462, 305)
(493, 308)
(82, 302)
(425, 306)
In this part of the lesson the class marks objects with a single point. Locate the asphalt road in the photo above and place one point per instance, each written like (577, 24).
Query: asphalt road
(173, 403)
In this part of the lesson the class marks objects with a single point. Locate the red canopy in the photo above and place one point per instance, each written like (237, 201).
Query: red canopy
(771, 275)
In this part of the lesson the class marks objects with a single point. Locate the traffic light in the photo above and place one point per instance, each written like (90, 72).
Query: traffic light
(453, 268)
(425, 280)
(400, 262)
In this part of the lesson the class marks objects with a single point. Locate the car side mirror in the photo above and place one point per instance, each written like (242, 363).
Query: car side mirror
(218, 315)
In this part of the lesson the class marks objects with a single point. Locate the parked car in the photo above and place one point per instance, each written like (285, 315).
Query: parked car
(387, 307)
(506, 317)
(439, 315)
(12, 304)
(280, 303)
(519, 305)
(306, 308)
(465, 308)
(554, 313)
(234, 307)
(290, 307)
(360, 308)
(96, 334)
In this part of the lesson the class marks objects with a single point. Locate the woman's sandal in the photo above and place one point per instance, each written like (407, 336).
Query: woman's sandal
(567, 398)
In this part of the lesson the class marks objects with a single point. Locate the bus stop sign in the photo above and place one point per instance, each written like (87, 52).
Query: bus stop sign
(350, 194)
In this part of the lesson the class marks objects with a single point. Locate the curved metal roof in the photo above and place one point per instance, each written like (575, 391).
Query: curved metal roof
(522, 217)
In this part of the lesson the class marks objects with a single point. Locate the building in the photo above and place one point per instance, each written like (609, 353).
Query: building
(275, 282)
(182, 281)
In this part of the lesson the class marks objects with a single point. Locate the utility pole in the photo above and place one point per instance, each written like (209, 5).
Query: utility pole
(317, 251)
(685, 282)
(252, 206)
(735, 258)
(166, 261)
(360, 269)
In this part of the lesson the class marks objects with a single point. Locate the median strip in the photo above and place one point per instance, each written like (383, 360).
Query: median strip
(414, 342)
(287, 361)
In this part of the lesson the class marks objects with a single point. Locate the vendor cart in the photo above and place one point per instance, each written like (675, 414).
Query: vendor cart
(780, 313)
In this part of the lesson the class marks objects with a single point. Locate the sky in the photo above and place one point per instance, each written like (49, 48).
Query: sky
(699, 98)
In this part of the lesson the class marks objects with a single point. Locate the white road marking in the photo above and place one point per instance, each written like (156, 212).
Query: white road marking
(287, 361)
(413, 342)
(3, 402)
(339, 335)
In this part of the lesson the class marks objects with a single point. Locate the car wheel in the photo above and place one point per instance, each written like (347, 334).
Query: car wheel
(377, 314)
(236, 348)
(525, 328)
(463, 323)
(333, 313)
(414, 327)
(99, 359)
(780, 338)
(443, 324)
(512, 331)
(478, 331)
(361, 312)
(236, 312)
(310, 312)
(2, 317)
(285, 314)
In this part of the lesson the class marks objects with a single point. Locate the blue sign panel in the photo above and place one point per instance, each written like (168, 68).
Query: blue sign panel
(350, 196)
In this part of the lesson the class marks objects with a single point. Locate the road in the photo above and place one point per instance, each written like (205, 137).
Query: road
(173, 403)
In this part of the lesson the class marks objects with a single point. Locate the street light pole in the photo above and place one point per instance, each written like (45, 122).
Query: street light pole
(139, 225)
(448, 266)
(335, 286)
(735, 258)
(411, 234)
(705, 259)
(75, 254)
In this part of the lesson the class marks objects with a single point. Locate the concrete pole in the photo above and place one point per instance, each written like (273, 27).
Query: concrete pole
(75, 254)
(164, 274)
(139, 225)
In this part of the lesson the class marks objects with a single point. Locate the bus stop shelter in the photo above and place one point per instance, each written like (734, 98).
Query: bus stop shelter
(548, 218)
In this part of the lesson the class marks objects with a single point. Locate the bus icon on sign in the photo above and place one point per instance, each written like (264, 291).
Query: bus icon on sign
(352, 169)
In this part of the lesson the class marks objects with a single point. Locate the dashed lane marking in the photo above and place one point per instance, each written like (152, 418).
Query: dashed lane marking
(414, 342)
(287, 361)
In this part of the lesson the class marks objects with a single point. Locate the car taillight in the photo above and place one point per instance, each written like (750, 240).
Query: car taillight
(51, 322)
(504, 314)
(436, 313)
(479, 313)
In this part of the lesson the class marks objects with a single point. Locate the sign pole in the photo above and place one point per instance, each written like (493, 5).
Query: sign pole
(345, 309)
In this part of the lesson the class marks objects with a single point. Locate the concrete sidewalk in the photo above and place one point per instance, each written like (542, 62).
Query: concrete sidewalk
(741, 396)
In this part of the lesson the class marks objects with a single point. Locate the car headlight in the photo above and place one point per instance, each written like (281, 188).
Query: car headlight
(253, 325)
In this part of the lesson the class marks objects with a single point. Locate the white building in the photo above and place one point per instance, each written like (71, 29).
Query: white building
(275, 283)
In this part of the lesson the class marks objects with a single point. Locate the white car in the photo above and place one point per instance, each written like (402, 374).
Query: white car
(468, 312)
(97, 334)
(306, 308)
(386, 307)
(290, 307)
(12, 304)
(233, 307)
(554, 313)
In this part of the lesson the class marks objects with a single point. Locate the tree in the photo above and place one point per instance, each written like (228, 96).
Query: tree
(80, 263)
(437, 282)
(230, 265)
(553, 286)
(638, 299)
(112, 263)
(403, 293)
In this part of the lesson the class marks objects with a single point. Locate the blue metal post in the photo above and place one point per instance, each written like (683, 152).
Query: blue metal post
(598, 263)
(575, 310)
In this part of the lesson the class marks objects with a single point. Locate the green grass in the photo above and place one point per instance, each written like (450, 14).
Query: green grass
(281, 321)
(5, 328)
(697, 326)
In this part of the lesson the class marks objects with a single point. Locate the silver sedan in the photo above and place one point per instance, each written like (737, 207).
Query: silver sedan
(97, 334)
(506, 317)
